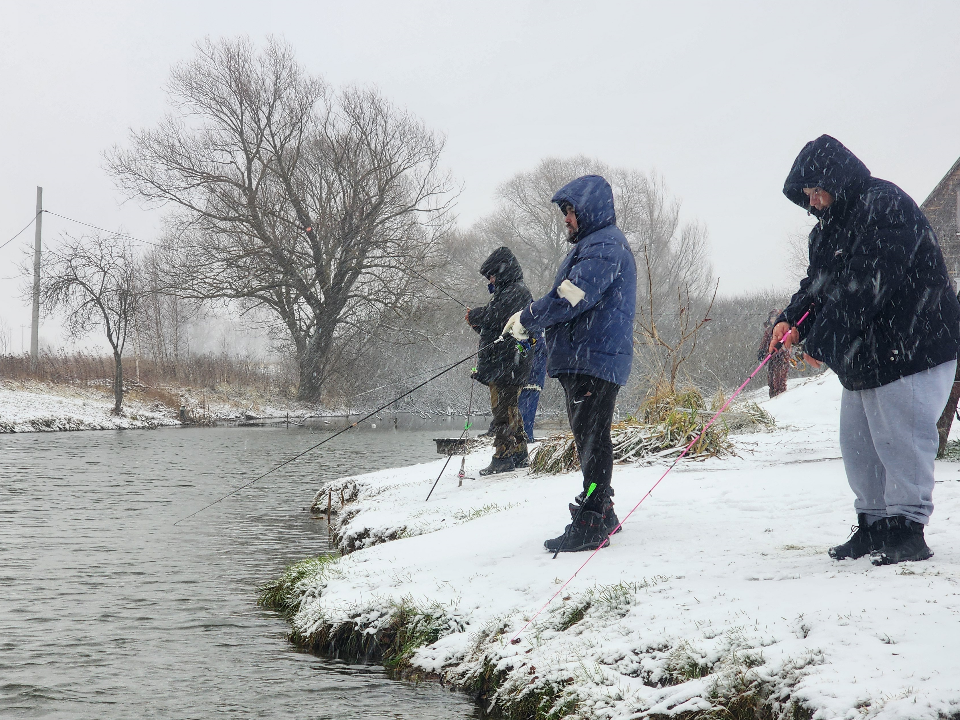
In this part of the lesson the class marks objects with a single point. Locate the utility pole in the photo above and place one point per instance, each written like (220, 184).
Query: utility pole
(35, 325)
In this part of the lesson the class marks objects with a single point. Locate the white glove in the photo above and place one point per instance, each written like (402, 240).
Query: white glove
(513, 327)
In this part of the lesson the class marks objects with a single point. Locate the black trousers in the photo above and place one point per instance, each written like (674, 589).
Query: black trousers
(590, 404)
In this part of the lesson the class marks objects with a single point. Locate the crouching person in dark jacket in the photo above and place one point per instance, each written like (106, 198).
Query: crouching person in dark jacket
(884, 318)
(503, 363)
(588, 318)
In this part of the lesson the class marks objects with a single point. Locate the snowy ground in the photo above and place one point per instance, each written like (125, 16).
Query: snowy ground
(36, 407)
(719, 580)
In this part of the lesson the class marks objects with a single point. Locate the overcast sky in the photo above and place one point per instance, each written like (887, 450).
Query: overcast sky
(716, 97)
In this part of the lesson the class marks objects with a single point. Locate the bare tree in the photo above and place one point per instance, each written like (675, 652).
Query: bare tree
(163, 316)
(527, 222)
(798, 258)
(678, 252)
(6, 342)
(669, 351)
(291, 197)
(675, 284)
(93, 279)
(531, 225)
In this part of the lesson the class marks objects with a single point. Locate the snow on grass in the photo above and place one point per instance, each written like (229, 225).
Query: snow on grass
(717, 596)
(35, 407)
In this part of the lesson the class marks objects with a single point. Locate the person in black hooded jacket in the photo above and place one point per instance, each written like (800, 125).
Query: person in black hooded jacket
(884, 317)
(503, 364)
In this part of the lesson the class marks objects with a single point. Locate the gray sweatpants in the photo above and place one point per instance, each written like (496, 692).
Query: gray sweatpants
(888, 438)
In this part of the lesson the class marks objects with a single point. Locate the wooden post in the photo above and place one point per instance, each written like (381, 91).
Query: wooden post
(35, 324)
(329, 501)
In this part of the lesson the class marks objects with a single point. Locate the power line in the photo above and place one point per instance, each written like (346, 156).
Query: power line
(32, 221)
(97, 227)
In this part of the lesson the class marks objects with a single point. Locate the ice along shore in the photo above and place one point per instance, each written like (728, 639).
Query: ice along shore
(717, 600)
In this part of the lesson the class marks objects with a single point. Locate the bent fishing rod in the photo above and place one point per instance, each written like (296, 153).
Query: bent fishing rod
(776, 347)
(343, 430)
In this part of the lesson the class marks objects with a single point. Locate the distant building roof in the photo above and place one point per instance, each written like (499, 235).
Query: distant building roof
(942, 208)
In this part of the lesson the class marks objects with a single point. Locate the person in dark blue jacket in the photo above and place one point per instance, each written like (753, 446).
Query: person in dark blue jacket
(884, 317)
(588, 318)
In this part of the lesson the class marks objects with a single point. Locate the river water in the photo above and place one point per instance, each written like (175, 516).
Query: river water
(108, 610)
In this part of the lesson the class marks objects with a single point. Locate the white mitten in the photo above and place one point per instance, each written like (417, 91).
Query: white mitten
(513, 327)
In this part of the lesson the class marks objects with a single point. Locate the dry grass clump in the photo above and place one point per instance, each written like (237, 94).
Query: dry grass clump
(155, 395)
(665, 424)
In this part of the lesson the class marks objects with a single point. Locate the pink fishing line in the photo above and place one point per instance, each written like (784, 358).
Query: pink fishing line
(693, 442)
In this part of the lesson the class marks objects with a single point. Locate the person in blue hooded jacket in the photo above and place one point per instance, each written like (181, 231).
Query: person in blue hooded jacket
(588, 322)
(884, 317)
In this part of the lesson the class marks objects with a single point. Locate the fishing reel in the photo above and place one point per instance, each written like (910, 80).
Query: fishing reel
(795, 358)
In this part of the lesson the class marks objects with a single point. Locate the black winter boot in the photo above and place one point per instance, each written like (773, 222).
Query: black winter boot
(864, 540)
(610, 519)
(587, 533)
(498, 465)
(903, 541)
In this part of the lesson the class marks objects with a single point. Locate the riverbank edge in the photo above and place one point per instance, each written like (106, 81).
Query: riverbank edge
(36, 406)
(391, 634)
(392, 641)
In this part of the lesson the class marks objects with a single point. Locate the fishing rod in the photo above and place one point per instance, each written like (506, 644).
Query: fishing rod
(343, 430)
(429, 281)
(776, 347)
(412, 377)
(462, 473)
(462, 438)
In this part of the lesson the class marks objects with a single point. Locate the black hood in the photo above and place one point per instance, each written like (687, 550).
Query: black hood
(503, 265)
(827, 164)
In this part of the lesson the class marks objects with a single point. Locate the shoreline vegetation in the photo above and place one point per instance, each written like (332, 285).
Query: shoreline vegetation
(393, 639)
(716, 601)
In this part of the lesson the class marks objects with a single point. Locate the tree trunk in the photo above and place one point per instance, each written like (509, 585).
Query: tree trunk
(946, 420)
(312, 363)
(117, 383)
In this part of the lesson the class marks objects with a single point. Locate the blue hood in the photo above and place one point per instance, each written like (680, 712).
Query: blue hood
(592, 200)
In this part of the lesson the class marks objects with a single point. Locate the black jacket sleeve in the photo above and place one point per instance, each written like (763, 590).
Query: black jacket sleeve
(477, 317)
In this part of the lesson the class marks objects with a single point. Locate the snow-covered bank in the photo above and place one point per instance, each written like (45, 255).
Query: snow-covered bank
(718, 592)
(36, 407)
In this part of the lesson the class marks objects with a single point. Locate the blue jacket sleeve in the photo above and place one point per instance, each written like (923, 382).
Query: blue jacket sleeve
(596, 267)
